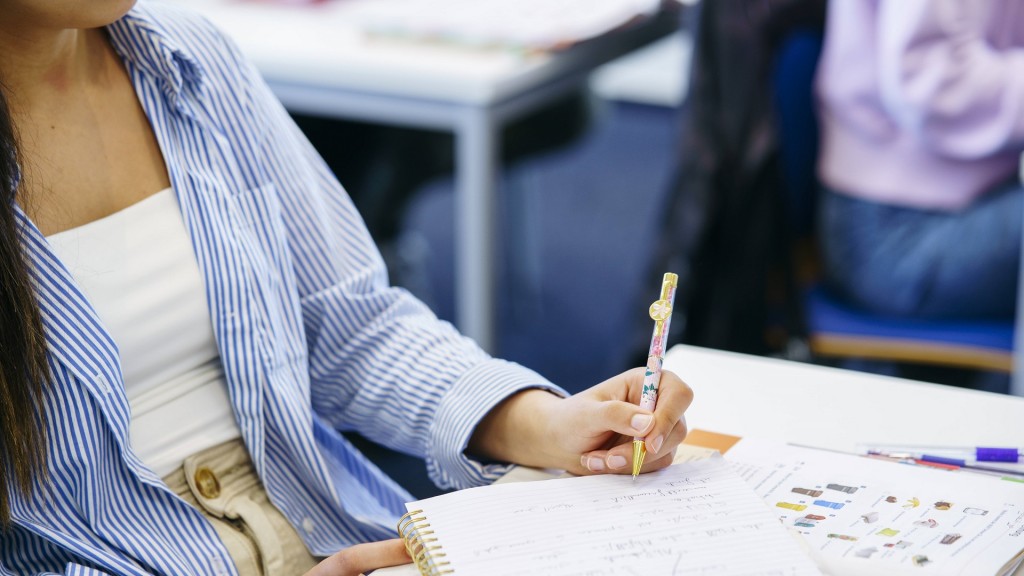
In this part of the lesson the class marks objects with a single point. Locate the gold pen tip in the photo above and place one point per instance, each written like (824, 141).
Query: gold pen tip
(639, 451)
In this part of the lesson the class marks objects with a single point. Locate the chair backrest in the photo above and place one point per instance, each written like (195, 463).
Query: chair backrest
(797, 125)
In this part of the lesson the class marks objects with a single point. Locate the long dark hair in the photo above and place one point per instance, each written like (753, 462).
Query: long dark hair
(23, 365)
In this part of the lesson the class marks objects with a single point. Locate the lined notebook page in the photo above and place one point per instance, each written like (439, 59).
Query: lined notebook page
(691, 518)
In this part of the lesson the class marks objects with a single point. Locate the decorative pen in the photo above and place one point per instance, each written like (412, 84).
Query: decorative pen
(661, 313)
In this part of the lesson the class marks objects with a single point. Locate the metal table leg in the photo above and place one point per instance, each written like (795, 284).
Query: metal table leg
(476, 148)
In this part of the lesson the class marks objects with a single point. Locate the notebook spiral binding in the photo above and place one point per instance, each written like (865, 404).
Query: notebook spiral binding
(422, 547)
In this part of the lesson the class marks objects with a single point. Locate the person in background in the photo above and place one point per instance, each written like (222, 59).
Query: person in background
(921, 104)
(191, 309)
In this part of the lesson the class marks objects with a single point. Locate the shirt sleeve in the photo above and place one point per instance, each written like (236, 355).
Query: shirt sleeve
(944, 80)
(380, 362)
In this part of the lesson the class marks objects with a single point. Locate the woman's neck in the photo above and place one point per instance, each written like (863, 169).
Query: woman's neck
(42, 67)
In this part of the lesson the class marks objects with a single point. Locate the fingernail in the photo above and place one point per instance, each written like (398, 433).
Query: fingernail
(595, 464)
(657, 444)
(640, 422)
(616, 462)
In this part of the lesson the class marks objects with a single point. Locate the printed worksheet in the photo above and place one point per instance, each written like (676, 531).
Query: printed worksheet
(863, 516)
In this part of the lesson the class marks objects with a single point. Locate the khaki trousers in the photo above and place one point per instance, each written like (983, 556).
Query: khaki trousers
(222, 484)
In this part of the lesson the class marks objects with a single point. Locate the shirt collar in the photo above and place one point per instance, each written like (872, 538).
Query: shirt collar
(141, 41)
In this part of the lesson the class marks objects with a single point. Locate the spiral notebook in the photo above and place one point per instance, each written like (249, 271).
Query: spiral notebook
(690, 518)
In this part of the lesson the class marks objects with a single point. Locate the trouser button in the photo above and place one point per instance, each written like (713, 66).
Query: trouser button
(207, 483)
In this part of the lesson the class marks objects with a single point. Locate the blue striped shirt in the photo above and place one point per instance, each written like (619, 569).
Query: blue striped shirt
(312, 339)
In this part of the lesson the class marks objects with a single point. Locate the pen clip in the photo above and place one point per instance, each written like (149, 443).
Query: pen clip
(661, 309)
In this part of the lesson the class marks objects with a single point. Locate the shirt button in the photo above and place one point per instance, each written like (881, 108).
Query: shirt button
(206, 483)
(102, 383)
(308, 525)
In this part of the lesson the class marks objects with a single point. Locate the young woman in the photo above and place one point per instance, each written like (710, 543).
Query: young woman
(191, 309)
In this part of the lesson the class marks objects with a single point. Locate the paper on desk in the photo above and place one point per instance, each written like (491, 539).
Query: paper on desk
(693, 518)
(863, 516)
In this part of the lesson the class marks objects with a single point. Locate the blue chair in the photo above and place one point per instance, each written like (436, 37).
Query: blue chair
(836, 329)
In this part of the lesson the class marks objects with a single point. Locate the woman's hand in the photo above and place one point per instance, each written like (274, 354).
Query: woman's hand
(588, 433)
(357, 559)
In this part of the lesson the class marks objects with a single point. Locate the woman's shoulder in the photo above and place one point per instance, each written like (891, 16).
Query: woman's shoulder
(174, 20)
(186, 53)
(177, 30)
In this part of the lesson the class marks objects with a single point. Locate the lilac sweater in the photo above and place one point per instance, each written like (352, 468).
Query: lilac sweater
(921, 101)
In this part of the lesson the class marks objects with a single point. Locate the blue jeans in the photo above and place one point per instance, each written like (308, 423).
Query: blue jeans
(923, 264)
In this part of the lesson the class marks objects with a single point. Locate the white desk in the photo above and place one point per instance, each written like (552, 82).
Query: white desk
(837, 409)
(318, 63)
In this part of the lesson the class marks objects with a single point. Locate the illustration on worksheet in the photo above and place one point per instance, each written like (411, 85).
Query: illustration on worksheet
(808, 492)
(866, 552)
(861, 510)
(870, 517)
(841, 488)
(828, 504)
(950, 538)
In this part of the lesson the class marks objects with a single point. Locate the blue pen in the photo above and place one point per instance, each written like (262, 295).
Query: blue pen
(990, 467)
(977, 453)
(1014, 474)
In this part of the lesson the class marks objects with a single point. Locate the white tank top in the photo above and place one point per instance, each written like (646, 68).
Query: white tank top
(138, 270)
